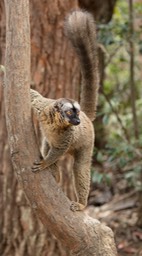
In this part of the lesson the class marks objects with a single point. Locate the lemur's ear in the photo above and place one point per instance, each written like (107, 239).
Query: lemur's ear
(57, 107)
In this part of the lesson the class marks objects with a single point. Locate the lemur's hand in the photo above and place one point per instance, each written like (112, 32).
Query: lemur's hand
(39, 165)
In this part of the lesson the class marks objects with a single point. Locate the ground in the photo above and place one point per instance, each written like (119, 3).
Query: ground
(116, 205)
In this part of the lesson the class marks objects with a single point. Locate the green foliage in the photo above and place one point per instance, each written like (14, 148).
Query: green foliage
(116, 85)
(114, 37)
(116, 110)
(120, 156)
(99, 178)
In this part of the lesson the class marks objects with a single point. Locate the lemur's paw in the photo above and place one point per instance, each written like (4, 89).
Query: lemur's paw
(76, 206)
(39, 166)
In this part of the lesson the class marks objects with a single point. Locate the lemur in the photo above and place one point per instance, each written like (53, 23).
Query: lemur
(66, 125)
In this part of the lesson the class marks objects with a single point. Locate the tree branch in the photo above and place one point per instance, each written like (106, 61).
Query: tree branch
(81, 234)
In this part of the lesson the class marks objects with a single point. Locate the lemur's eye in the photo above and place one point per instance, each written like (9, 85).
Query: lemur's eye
(69, 112)
(78, 112)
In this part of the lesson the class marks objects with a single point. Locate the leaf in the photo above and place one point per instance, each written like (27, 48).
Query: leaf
(129, 175)
(105, 119)
(97, 177)
(100, 157)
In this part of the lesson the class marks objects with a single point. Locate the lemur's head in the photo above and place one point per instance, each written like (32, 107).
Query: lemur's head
(69, 111)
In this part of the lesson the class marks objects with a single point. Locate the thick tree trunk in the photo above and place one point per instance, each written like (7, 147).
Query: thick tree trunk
(55, 70)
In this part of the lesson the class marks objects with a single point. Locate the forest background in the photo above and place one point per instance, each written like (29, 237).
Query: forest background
(116, 189)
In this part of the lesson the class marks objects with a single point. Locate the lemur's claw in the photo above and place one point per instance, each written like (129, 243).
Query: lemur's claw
(39, 166)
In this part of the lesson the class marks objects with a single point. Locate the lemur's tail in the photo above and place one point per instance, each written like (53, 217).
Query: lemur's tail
(81, 31)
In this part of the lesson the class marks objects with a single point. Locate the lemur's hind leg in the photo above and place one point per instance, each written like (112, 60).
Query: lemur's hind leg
(81, 171)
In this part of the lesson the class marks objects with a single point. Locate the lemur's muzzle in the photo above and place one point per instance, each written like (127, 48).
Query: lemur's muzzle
(75, 121)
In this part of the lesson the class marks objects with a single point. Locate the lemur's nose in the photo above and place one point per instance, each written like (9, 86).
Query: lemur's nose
(77, 121)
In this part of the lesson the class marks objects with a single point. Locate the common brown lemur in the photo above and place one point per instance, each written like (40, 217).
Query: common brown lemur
(66, 125)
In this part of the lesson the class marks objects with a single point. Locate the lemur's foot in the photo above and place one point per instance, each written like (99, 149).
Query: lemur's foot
(75, 206)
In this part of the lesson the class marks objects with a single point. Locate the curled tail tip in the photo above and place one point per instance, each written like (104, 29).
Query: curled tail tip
(78, 16)
(78, 20)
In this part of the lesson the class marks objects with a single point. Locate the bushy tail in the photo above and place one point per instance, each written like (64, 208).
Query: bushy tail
(81, 30)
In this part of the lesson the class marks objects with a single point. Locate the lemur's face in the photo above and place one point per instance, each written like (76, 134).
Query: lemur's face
(70, 110)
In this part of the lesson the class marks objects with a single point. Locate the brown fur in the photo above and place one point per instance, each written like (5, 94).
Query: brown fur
(60, 136)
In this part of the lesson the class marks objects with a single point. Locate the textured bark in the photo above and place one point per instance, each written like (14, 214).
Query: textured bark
(79, 233)
(52, 58)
